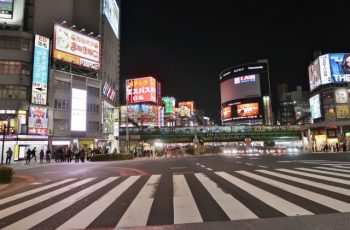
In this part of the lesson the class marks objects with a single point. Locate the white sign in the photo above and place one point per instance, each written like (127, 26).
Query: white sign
(325, 69)
(11, 12)
(111, 10)
(38, 120)
(76, 48)
(78, 113)
(315, 106)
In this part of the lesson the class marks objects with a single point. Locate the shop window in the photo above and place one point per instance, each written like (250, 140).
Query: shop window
(93, 125)
(60, 124)
(61, 104)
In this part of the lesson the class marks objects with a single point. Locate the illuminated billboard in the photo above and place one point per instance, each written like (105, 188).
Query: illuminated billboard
(188, 104)
(141, 90)
(142, 114)
(315, 106)
(241, 87)
(75, 48)
(40, 70)
(341, 96)
(169, 104)
(38, 120)
(11, 12)
(111, 11)
(226, 113)
(342, 111)
(340, 67)
(108, 91)
(78, 113)
(314, 75)
(6, 9)
(250, 110)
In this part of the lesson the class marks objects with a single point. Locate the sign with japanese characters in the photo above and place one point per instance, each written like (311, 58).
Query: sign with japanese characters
(40, 70)
(76, 48)
(38, 120)
(141, 90)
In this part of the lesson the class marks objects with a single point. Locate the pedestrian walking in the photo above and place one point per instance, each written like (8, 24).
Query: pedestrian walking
(76, 154)
(48, 155)
(28, 153)
(9, 154)
(41, 155)
(69, 155)
(33, 154)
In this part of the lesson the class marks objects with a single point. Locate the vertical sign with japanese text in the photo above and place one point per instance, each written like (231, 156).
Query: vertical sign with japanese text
(40, 70)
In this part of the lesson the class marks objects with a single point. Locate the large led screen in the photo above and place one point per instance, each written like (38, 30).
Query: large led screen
(11, 12)
(242, 110)
(111, 11)
(76, 48)
(226, 113)
(315, 106)
(250, 110)
(247, 86)
(38, 120)
(314, 75)
(340, 67)
(40, 70)
(141, 90)
(78, 114)
(142, 114)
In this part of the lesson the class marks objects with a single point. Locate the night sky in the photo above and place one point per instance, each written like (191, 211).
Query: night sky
(186, 44)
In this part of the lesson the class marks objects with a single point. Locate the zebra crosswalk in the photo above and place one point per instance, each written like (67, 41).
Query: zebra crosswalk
(128, 201)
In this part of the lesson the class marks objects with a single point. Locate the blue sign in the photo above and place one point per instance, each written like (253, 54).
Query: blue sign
(340, 67)
(40, 70)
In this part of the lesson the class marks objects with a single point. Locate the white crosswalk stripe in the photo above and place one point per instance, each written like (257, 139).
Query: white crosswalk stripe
(342, 166)
(268, 198)
(318, 198)
(325, 172)
(36, 218)
(229, 191)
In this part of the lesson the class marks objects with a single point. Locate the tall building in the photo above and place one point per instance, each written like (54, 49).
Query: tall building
(97, 20)
(245, 94)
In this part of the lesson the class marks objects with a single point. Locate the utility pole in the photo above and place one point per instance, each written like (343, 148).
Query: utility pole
(3, 144)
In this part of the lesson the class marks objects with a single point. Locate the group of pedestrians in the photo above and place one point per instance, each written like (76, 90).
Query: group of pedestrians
(68, 154)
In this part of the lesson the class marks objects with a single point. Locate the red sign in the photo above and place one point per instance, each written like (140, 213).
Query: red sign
(141, 90)
(227, 113)
(248, 110)
(188, 104)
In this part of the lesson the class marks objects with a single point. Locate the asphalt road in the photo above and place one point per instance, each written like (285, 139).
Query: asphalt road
(305, 191)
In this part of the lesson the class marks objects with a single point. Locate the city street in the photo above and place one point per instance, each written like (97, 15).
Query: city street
(190, 192)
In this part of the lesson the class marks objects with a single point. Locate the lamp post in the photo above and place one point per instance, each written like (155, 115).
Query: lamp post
(3, 144)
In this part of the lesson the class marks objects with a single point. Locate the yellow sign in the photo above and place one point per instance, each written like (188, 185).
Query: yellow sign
(342, 111)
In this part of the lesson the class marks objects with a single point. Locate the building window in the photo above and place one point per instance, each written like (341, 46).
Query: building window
(10, 43)
(92, 108)
(61, 85)
(92, 91)
(61, 104)
(60, 124)
(93, 125)
(25, 45)
(13, 92)
(14, 68)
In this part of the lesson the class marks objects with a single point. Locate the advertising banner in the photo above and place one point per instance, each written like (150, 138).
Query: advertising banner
(108, 91)
(149, 115)
(6, 9)
(134, 112)
(40, 70)
(169, 104)
(111, 11)
(341, 96)
(342, 111)
(250, 110)
(188, 104)
(329, 114)
(141, 90)
(314, 75)
(325, 69)
(340, 67)
(38, 120)
(76, 48)
(226, 113)
(78, 113)
(315, 106)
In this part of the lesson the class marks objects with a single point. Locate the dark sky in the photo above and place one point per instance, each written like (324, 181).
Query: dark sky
(186, 44)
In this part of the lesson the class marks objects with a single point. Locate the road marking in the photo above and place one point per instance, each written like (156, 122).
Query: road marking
(280, 204)
(262, 166)
(325, 172)
(16, 208)
(209, 169)
(341, 166)
(248, 164)
(334, 164)
(43, 214)
(239, 162)
(316, 197)
(178, 167)
(202, 166)
(234, 209)
(254, 158)
(30, 192)
(238, 157)
(185, 208)
(308, 182)
(198, 164)
(284, 161)
(327, 178)
(138, 212)
(333, 169)
(80, 220)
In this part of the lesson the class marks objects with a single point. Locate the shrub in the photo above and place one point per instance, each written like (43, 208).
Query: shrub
(111, 157)
(6, 174)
